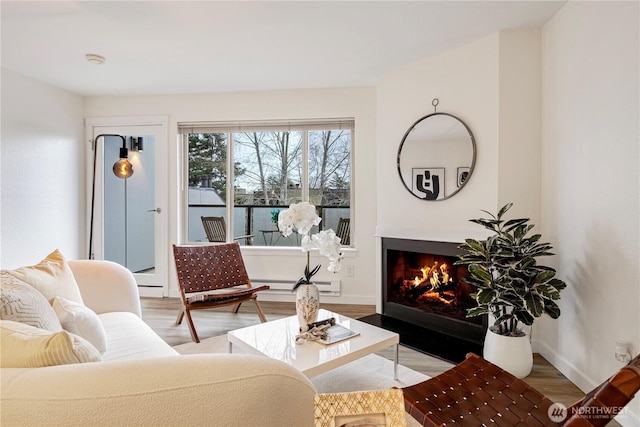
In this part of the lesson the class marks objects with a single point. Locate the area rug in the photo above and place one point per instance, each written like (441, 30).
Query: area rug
(371, 372)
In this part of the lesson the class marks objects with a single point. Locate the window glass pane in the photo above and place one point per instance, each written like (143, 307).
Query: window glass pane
(268, 168)
(207, 169)
(330, 176)
(268, 177)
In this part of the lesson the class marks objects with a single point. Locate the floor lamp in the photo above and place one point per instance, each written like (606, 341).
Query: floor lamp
(122, 169)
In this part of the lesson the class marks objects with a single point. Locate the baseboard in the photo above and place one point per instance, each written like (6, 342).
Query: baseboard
(151, 291)
(627, 418)
(575, 375)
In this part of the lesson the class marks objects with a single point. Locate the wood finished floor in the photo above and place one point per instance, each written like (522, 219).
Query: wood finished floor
(161, 314)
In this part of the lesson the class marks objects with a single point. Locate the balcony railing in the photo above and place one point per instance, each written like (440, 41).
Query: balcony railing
(256, 220)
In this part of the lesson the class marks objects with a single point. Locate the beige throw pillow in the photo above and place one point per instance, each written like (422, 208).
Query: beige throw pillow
(52, 277)
(82, 321)
(24, 346)
(23, 303)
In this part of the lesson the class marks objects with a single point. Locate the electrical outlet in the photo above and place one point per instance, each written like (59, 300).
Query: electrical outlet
(351, 270)
(623, 352)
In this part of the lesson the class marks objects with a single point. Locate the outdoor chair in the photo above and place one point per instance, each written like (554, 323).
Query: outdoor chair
(344, 231)
(478, 393)
(216, 230)
(213, 276)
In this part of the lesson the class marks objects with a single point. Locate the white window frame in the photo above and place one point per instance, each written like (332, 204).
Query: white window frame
(304, 126)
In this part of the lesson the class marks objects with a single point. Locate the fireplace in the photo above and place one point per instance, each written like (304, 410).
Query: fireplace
(423, 287)
(425, 299)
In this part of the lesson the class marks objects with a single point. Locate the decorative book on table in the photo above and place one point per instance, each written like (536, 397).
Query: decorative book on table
(337, 333)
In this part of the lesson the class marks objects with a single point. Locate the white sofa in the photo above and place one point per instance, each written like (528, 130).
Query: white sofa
(142, 381)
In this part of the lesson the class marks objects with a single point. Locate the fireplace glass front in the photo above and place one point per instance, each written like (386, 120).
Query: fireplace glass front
(423, 286)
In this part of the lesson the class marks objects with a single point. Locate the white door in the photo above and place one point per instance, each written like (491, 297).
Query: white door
(130, 221)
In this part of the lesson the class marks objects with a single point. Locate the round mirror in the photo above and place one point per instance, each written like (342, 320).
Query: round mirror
(436, 156)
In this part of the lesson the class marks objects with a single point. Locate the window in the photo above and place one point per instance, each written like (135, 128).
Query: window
(269, 173)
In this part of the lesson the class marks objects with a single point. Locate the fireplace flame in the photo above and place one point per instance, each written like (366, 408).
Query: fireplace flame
(433, 278)
(436, 275)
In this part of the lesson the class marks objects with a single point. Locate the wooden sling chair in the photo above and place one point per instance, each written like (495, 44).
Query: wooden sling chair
(213, 276)
(478, 393)
(216, 229)
(344, 231)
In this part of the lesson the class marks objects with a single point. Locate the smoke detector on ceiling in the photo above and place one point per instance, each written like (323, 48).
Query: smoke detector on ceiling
(95, 59)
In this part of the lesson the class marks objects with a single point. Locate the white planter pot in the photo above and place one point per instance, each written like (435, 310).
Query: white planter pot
(513, 354)
(307, 305)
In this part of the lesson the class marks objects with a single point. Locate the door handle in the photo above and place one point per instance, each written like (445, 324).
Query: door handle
(155, 210)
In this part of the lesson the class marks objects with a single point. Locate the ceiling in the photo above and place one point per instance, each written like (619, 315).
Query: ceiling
(168, 47)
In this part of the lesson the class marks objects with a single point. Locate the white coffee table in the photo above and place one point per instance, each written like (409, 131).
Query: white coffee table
(277, 339)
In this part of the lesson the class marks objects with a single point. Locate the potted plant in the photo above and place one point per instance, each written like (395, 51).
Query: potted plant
(301, 218)
(511, 287)
(275, 213)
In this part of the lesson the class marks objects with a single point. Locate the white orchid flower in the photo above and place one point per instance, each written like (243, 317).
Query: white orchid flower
(302, 217)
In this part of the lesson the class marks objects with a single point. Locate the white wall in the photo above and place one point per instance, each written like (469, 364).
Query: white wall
(493, 85)
(465, 81)
(42, 173)
(290, 104)
(590, 190)
(519, 123)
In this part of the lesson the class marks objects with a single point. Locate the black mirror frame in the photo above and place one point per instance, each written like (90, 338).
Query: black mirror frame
(473, 160)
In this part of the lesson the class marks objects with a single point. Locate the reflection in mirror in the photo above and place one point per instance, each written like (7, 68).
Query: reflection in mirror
(436, 156)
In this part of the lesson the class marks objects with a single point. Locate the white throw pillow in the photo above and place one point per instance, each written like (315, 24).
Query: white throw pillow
(82, 321)
(24, 346)
(23, 303)
(52, 277)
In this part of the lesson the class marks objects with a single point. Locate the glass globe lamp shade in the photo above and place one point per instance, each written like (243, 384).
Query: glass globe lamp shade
(123, 168)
